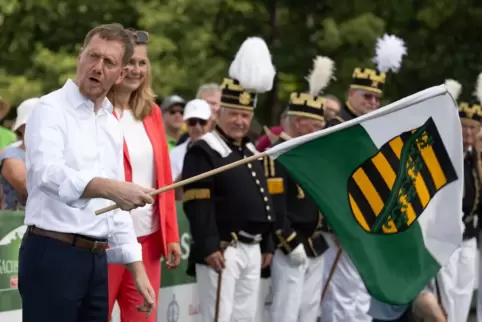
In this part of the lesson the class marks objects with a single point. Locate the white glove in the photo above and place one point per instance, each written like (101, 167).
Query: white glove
(298, 255)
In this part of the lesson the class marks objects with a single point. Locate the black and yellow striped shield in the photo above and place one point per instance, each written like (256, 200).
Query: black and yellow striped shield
(391, 189)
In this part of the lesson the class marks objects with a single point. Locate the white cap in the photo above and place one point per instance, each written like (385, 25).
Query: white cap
(24, 110)
(197, 108)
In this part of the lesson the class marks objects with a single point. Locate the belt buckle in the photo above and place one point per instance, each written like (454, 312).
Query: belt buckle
(94, 247)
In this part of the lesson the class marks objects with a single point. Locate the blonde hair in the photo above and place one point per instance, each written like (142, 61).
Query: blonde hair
(141, 100)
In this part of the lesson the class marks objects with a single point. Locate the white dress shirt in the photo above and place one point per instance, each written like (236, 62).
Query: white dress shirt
(141, 156)
(177, 158)
(68, 145)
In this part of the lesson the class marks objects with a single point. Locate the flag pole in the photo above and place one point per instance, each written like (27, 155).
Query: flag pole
(193, 179)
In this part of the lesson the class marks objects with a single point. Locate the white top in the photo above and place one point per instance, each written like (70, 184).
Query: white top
(141, 156)
(69, 145)
(177, 159)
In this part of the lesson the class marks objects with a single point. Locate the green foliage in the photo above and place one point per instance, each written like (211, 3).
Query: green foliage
(194, 42)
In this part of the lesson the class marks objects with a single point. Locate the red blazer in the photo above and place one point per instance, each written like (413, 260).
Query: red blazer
(165, 204)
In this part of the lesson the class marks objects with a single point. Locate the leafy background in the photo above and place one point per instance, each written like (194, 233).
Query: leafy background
(194, 41)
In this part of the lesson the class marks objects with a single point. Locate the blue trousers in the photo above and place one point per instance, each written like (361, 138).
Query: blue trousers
(61, 283)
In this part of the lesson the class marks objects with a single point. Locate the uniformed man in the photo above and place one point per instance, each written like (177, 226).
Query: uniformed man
(297, 264)
(346, 298)
(458, 276)
(231, 214)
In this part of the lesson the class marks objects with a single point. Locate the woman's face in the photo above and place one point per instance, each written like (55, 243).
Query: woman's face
(136, 70)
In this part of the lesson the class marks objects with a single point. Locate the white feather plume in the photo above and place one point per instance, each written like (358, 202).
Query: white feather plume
(454, 88)
(252, 66)
(478, 89)
(389, 53)
(321, 74)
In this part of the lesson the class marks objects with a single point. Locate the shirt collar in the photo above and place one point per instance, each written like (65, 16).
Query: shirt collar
(77, 99)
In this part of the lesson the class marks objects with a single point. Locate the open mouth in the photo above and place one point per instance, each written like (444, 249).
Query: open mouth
(94, 80)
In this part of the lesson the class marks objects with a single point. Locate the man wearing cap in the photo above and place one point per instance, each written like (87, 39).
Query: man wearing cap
(297, 263)
(12, 161)
(231, 214)
(172, 108)
(196, 115)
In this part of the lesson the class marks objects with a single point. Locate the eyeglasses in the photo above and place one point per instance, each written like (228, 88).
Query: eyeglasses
(194, 122)
(174, 112)
(369, 96)
(140, 36)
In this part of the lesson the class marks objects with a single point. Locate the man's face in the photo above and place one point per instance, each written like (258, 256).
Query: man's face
(196, 128)
(470, 129)
(235, 122)
(173, 116)
(332, 106)
(306, 125)
(99, 67)
(363, 102)
(213, 98)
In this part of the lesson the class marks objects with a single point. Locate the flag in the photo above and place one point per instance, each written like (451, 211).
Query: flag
(390, 184)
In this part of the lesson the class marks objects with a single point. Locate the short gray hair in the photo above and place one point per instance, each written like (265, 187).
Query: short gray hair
(208, 88)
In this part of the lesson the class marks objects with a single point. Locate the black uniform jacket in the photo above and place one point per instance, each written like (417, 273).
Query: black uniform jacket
(222, 206)
(471, 202)
(298, 219)
(345, 114)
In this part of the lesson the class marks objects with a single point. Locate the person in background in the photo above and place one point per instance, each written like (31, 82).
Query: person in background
(332, 106)
(146, 162)
(74, 168)
(231, 214)
(172, 108)
(12, 161)
(264, 141)
(211, 93)
(196, 115)
(7, 137)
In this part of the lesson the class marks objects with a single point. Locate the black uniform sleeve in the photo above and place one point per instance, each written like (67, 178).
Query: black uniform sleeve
(198, 202)
(277, 178)
(334, 121)
(267, 244)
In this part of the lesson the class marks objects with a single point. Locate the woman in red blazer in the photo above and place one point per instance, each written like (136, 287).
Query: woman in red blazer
(147, 163)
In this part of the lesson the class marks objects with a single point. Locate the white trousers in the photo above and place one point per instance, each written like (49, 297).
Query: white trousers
(296, 289)
(457, 280)
(346, 298)
(239, 285)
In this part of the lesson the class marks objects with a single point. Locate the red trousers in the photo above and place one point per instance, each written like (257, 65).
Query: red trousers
(121, 283)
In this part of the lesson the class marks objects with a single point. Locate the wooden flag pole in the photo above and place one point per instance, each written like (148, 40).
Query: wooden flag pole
(193, 179)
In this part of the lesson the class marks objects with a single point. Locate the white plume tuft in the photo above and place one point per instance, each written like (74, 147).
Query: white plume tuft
(389, 52)
(321, 74)
(252, 66)
(454, 88)
(478, 89)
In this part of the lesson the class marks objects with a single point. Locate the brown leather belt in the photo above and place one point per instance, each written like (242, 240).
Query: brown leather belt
(95, 246)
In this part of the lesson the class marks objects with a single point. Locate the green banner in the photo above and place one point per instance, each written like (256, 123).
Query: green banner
(179, 276)
(11, 233)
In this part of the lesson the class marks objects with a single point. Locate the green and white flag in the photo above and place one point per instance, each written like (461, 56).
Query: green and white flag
(390, 184)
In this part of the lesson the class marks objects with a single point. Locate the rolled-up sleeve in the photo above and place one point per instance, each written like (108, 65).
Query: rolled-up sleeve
(123, 245)
(45, 138)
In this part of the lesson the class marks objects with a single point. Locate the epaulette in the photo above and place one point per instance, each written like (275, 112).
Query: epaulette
(215, 142)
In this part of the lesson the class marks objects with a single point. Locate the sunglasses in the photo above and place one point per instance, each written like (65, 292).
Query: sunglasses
(140, 36)
(194, 122)
(174, 112)
(370, 97)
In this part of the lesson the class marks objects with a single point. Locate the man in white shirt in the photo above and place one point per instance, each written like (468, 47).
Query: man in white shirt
(196, 115)
(74, 166)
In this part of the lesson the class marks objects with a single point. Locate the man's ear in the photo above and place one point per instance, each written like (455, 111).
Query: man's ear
(123, 74)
